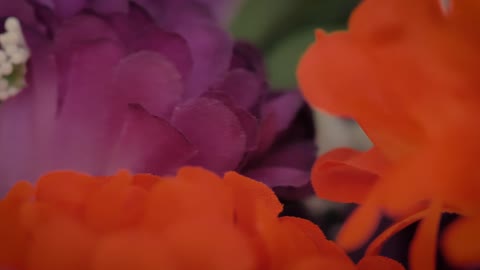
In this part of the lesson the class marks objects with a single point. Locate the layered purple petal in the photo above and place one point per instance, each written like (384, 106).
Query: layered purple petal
(215, 130)
(296, 154)
(15, 139)
(280, 176)
(26, 121)
(277, 115)
(248, 57)
(20, 9)
(68, 8)
(244, 87)
(87, 120)
(147, 78)
(148, 144)
(211, 49)
(138, 32)
(110, 6)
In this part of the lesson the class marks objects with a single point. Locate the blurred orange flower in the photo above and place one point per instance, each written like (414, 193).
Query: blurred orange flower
(195, 220)
(461, 242)
(407, 71)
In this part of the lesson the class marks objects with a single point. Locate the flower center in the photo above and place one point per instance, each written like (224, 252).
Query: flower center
(14, 55)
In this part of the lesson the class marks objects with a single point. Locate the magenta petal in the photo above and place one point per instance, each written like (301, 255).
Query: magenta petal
(68, 8)
(211, 49)
(15, 139)
(277, 115)
(215, 130)
(81, 29)
(299, 155)
(18, 8)
(244, 87)
(148, 144)
(87, 120)
(110, 6)
(139, 33)
(149, 79)
(280, 176)
(284, 107)
(26, 120)
(248, 57)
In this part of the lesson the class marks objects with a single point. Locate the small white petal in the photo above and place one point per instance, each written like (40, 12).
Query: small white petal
(20, 57)
(3, 57)
(12, 24)
(6, 68)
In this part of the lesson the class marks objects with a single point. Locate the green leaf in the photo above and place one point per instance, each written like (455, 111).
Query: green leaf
(282, 59)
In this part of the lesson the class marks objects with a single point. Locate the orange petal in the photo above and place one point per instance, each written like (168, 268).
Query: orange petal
(319, 263)
(197, 174)
(248, 196)
(14, 237)
(378, 263)
(66, 190)
(376, 245)
(130, 251)
(285, 241)
(208, 246)
(359, 227)
(422, 254)
(461, 242)
(20, 192)
(343, 175)
(320, 75)
(145, 181)
(115, 205)
(177, 200)
(61, 244)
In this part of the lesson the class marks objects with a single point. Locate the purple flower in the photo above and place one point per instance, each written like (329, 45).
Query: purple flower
(108, 90)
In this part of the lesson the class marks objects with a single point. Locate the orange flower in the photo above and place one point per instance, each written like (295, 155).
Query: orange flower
(195, 220)
(461, 242)
(407, 71)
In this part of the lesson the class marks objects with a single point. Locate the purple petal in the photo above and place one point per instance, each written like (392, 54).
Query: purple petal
(284, 107)
(248, 57)
(209, 43)
(248, 121)
(216, 132)
(244, 87)
(222, 9)
(211, 49)
(280, 176)
(18, 8)
(149, 79)
(26, 120)
(110, 6)
(15, 139)
(68, 8)
(149, 144)
(277, 115)
(81, 29)
(298, 154)
(87, 122)
(139, 33)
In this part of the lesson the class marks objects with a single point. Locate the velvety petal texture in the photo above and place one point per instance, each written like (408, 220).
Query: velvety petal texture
(194, 220)
(148, 86)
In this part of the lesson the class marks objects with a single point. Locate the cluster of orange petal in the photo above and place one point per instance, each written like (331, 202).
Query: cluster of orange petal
(408, 72)
(195, 220)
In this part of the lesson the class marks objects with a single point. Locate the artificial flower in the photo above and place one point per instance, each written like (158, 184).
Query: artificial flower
(407, 72)
(195, 220)
(110, 90)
